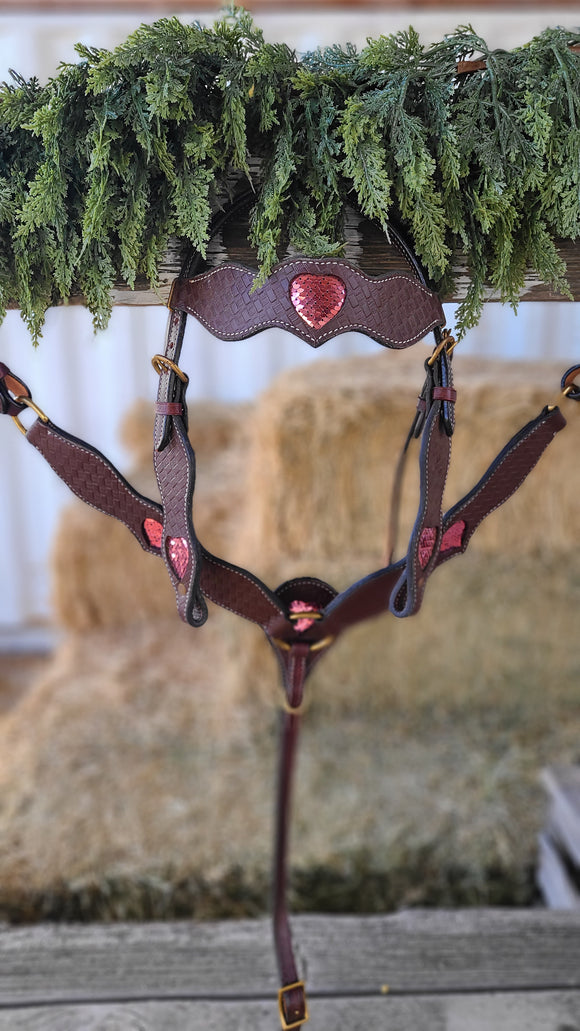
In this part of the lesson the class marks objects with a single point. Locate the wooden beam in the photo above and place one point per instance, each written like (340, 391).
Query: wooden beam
(375, 261)
(536, 1011)
(418, 970)
(414, 952)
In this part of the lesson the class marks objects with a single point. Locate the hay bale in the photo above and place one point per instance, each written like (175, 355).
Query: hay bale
(102, 770)
(326, 439)
(121, 770)
(324, 445)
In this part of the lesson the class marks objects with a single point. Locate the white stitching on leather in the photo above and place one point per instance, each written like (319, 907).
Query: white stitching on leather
(109, 468)
(207, 557)
(315, 339)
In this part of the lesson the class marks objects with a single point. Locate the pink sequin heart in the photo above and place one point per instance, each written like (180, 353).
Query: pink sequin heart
(426, 545)
(178, 552)
(453, 537)
(153, 532)
(317, 299)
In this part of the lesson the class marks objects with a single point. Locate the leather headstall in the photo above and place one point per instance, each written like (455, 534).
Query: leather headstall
(314, 299)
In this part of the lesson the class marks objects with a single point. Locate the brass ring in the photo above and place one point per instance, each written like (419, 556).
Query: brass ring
(316, 646)
(323, 643)
(29, 403)
(446, 344)
(294, 617)
(162, 364)
(568, 391)
(23, 400)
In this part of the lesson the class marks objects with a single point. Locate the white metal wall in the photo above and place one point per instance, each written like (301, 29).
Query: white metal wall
(87, 383)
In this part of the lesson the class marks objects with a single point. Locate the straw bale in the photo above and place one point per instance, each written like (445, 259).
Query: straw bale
(131, 763)
(146, 750)
(102, 768)
(326, 439)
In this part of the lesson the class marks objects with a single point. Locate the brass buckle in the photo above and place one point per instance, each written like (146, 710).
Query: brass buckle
(286, 1026)
(162, 364)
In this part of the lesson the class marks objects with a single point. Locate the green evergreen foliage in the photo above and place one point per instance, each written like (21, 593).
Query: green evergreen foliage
(116, 153)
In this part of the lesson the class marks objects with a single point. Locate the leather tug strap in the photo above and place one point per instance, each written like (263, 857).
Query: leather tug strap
(303, 617)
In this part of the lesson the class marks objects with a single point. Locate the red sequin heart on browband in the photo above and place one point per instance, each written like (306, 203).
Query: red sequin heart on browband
(317, 299)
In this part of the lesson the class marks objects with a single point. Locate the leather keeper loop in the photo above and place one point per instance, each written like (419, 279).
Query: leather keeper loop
(444, 394)
(168, 408)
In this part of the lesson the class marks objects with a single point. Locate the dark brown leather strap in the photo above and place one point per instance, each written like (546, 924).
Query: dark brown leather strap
(395, 310)
(96, 482)
(433, 465)
(504, 476)
(181, 550)
(292, 997)
(174, 462)
(370, 596)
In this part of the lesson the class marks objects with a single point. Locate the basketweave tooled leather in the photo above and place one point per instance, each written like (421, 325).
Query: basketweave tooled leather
(94, 480)
(502, 479)
(175, 471)
(396, 310)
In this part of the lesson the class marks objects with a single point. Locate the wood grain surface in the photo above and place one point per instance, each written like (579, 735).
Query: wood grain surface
(468, 969)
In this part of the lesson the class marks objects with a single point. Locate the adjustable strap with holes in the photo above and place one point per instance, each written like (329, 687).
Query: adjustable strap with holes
(303, 617)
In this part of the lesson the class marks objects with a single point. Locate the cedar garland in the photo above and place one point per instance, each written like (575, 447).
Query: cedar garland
(127, 147)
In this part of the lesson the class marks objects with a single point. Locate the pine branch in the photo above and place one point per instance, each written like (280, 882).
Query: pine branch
(125, 147)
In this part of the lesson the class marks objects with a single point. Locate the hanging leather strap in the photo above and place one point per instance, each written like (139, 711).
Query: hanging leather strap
(292, 1003)
(437, 397)
(174, 462)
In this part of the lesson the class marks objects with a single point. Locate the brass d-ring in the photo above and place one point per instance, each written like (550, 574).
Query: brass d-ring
(324, 642)
(29, 403)
(447, 343)
(162, 364)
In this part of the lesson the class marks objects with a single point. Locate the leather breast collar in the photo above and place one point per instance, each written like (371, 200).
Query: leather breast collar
(303, 617)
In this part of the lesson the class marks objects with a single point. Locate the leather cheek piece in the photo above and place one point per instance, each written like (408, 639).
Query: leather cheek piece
(396, 310)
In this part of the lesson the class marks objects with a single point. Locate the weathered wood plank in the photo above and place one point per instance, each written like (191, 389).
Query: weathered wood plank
(412, 952)
(535, 1011)
(377, 262)
(365, 246)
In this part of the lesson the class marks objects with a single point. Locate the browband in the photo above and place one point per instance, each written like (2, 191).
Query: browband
(315, 299)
